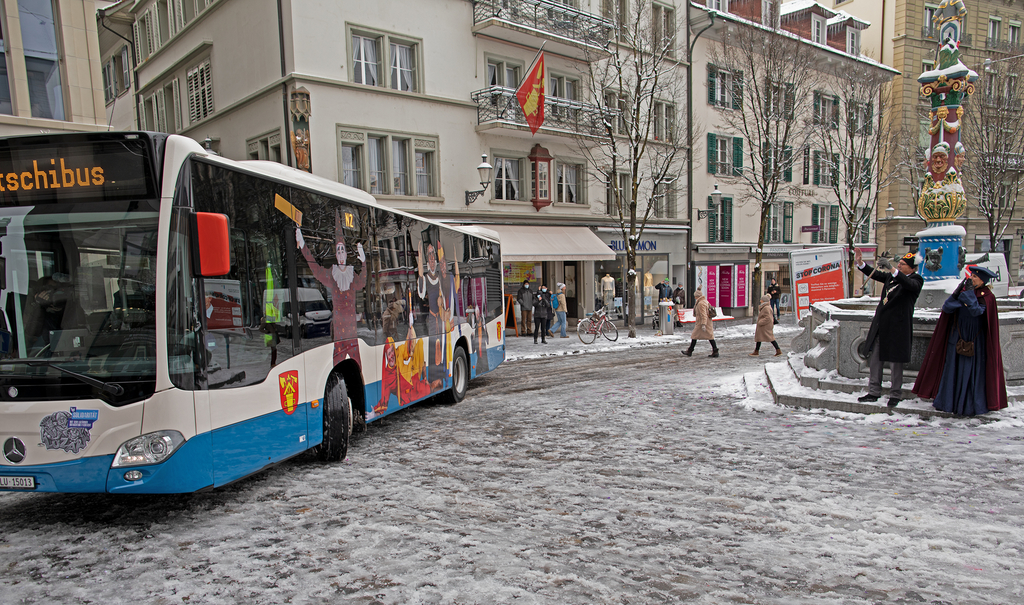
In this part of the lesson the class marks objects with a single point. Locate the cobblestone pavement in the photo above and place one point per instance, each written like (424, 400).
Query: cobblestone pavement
(634, 476)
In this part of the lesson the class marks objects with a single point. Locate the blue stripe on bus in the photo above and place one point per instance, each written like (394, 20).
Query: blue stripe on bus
(85, 475)
(245, 447)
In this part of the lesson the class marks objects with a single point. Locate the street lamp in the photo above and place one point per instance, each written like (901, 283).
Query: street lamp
(989, 61)
(716, 200)
(889, 212)
(485, 179)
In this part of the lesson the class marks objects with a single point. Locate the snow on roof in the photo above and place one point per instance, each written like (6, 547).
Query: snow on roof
(843, 16)
(789, 8)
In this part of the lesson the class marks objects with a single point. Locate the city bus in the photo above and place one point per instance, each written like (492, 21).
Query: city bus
(173, 321)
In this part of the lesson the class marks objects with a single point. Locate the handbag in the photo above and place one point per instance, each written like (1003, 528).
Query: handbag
(964, 347)
(711, 312)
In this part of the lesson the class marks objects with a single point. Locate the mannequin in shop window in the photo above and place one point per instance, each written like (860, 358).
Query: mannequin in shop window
(608, 290)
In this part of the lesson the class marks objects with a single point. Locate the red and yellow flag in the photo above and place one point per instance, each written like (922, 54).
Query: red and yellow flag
(531, 95)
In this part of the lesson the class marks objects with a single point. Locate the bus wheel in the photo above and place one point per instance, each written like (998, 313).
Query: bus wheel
(460, 376)
(337, 421)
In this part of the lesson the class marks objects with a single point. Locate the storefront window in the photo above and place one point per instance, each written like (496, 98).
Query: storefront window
(610, 277)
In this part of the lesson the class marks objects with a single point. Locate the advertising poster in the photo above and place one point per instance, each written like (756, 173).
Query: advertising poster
(515, 273)
(725, 291)
(741, 285)
(711, 292)
(818, 275)
(223, 304)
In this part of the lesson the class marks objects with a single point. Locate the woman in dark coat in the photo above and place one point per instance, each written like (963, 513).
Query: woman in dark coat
(964, 384)
(541, 314)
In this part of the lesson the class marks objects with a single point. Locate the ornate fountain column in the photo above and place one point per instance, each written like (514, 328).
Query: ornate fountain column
(942, 198)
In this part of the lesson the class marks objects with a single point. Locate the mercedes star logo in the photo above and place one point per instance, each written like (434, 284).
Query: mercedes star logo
(14, 450)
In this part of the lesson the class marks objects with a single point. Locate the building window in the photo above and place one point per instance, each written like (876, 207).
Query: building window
(664, 201)
(827, 220)
(351, 165)
(725, 155)
(774, 232)
(664, 26)
(424, 173)
(995, 26)
(364, 60)
(664, 120)
(1013, 32)
(817, 29)
(826, 169)
(781, 100)
(400, 166)
(376, 160)
(567, 186)
(853, 41)
(42, 59)
(720, 221)
(161, 110)
(826, 109)
(403, 67)
(199, 82)
(860, 118)
(109, 81)
(501, 73)
(402, 61)
(506, 179)
(719, 5)
(618, 103)
(265, 147)
(864, 226)
(725, 89)
(929, 20)
(562, 88)
(625, 193)
(126, 69)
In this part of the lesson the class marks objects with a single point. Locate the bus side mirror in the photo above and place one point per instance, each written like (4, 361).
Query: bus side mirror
(214, 245)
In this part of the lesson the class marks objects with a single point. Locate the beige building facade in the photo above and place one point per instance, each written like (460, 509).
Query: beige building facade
(50, 80)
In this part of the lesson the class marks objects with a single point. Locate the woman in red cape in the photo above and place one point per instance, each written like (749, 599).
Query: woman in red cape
(965, 385)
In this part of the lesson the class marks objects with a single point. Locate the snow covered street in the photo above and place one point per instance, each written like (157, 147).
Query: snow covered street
(629, 474)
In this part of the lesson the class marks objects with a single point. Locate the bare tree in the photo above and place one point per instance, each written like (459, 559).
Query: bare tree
(855, 146)
(770, 77)
(640, 150)
(993, 135)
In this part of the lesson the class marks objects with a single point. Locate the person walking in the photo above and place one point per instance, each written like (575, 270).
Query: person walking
(558, 305)
(891, 331)
(525, 299)
(775, 292)
(541, 315)
(963, 366)
(679, 298)
(703, 330)
(765, 331)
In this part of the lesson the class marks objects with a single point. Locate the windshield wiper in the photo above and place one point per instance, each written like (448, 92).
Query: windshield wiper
(108, 387)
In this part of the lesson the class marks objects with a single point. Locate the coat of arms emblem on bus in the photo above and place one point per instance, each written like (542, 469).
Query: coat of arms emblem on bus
(69, 431)
(289, 382)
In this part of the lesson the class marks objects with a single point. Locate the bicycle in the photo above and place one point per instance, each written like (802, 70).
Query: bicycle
(588, 329)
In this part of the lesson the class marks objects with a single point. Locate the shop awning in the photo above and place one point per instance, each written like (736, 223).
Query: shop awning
(532, 243)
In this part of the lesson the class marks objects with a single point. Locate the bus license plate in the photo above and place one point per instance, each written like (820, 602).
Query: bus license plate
(17, 482)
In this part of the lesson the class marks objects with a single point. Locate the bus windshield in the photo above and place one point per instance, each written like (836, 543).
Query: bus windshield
(77, 293)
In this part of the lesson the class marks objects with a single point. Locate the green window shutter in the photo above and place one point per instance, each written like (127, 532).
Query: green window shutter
(737, 90)
(867, 174)
(865, 228)
(807, 165)
(789, 104)
(787, 223)
(869, 118)
(787, 164)
(712, 153)
(814, 221)
(835, 112)
(726, 219)
(817, 107)
(712, 84)
(817, 168)
(712, 222)
(835, 169)
(833, 224)
(737, 156)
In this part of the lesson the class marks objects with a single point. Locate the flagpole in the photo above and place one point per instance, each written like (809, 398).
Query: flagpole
(534, 62)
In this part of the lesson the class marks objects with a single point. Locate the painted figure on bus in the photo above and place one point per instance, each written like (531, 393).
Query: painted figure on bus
(343, 282)
(412, 369)
(388, 378)
(438, 288)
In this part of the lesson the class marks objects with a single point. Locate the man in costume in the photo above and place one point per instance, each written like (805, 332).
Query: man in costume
(963, 367)
(891, 331)
(344, 283)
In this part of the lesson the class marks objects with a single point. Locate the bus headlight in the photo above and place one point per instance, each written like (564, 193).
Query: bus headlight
(148, 449)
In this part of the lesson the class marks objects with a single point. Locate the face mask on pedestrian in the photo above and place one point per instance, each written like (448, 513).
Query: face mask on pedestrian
(527, 286)
(543, 289)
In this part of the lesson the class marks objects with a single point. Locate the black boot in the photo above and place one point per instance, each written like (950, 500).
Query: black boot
(714, 349)
(689, 352)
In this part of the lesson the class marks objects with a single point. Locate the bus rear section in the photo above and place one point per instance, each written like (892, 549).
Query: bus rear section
(127, 364)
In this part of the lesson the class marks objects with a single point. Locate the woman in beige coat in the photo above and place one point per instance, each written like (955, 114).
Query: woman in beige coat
(703, 330)
(765, 331)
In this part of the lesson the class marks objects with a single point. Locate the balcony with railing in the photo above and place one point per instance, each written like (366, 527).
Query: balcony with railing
(567, 30)
(497, 107)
